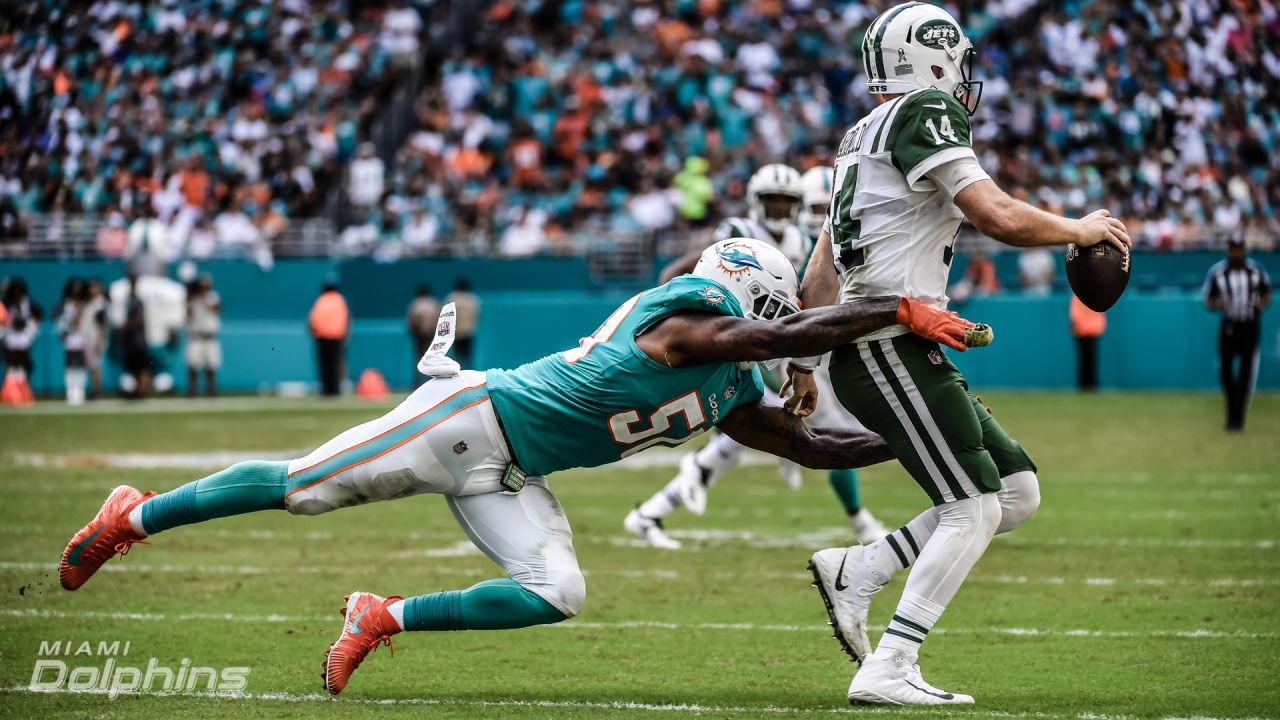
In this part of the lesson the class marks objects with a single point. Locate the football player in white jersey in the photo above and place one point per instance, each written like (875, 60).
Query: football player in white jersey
(776, 202)
(905, 177)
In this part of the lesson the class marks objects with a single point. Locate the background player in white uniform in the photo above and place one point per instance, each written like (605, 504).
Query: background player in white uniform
(776, 203)
(906, 175)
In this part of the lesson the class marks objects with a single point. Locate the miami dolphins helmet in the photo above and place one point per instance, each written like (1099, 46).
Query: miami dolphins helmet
(774, 179)
(908, 41)
(816, 183)
(756, 273)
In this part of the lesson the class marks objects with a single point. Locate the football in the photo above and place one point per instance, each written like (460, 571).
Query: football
(1098, 274)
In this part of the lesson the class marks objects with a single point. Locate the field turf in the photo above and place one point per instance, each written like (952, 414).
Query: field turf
(1147, 586)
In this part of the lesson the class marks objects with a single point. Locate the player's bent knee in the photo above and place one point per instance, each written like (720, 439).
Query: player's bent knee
(566, 593)
(1019, 499)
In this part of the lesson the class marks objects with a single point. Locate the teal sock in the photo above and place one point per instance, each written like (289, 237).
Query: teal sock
(242, 488)
(491, 605)
(845, 483)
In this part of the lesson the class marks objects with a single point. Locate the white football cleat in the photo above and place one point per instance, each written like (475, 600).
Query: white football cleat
(867, 528)
(693, 480)
(847, 582)
(650, 530)
(897, 681)
(792, 474)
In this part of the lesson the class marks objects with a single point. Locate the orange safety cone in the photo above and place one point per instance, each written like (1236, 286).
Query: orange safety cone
(16, 389)
(372, 386)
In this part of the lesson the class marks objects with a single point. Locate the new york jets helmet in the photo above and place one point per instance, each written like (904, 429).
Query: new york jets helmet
(756, 273)
(906, 42)
(816, 184)
(774, 179)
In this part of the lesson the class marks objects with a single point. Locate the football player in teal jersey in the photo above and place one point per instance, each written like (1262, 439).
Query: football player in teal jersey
(788, 210)
(670, 363)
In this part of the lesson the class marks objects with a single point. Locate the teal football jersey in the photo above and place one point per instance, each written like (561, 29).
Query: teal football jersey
(605, 399)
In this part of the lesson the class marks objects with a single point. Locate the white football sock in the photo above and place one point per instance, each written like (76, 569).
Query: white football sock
(135, 518)
(396, 609)
(965, 528)
(663, 502)
(721, 453)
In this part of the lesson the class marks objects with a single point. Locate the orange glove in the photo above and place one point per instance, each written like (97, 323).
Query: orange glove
(933, 324)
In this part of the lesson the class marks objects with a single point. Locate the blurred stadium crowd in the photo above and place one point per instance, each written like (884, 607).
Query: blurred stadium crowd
(558, 123)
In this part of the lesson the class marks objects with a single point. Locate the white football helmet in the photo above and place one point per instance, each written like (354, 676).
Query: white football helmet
(774, 179)
(756, 273)
(816, 183)
(906, 42)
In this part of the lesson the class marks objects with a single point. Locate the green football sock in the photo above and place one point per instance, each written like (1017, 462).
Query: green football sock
(242, 488)
(845, 483)
(491, 605)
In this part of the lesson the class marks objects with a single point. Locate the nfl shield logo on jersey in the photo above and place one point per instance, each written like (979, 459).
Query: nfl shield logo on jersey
(935, 357)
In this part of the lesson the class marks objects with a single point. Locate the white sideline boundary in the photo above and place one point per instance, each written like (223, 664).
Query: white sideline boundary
(630, 705)
(1197, 634)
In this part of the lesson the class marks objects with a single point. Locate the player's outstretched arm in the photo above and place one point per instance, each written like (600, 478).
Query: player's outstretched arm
(699, 339)
(1014, 222)
(778, 432)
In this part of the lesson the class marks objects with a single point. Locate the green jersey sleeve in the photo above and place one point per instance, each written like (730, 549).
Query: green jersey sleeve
(728, 229)
(931, 128)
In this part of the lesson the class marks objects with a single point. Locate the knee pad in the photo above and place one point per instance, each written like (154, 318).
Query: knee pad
(565, 591)
(977, 516)
(1019, 498)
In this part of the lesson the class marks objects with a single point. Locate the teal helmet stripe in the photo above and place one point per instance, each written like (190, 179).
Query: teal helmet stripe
(879, 41)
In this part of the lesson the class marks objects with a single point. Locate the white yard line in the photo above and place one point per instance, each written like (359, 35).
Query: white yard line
(1193, 634)
(465, 549)
(627, 705)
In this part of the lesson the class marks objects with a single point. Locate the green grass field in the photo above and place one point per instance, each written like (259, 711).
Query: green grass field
(1147, 586)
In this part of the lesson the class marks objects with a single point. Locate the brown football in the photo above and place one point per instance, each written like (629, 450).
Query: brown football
(1098, 274)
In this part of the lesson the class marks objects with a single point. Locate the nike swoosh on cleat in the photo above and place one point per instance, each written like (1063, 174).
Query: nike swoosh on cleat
(355, 624)
(74, 557)
(840, 586)
(944, 696)
(939, 106)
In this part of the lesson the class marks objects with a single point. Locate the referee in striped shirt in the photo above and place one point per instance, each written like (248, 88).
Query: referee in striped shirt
(1240, 289)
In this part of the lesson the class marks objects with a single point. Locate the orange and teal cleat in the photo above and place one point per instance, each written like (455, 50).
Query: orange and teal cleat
(107, 534)
(367, 625)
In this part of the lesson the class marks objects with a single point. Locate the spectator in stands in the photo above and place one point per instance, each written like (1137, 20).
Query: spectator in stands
(330, 324)
(93, 328)
(1036, 270)
(366, 182)
(419, 231)
(424, 313)
(696, 191)
(69, 316)
(1087, 326)
(468, 309)
(204, 349)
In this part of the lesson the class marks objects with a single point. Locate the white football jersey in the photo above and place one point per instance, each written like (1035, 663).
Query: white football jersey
(795, 243)
(892, 229)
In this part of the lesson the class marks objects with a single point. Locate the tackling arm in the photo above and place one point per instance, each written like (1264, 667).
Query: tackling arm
(778, 432)
(697, 339)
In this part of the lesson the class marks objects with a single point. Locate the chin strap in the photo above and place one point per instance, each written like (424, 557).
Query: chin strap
(436, 361)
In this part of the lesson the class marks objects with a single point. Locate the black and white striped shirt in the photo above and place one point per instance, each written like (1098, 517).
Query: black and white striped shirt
(1238, 288)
